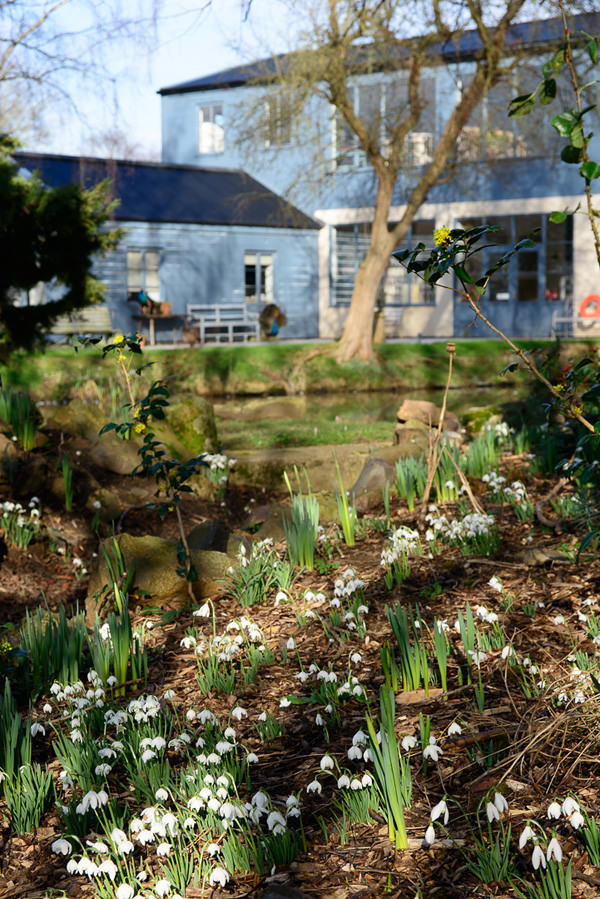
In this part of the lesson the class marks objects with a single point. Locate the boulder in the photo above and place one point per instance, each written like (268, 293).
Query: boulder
(189, 427)
(368, 489)
(475, 418)
(215, 534)
(154, 564)
(426, 412)
(413, 440)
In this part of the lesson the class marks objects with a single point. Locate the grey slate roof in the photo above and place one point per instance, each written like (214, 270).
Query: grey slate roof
(464, 47)
(162, 192)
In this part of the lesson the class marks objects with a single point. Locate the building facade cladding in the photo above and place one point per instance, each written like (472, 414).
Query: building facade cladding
(508, 169)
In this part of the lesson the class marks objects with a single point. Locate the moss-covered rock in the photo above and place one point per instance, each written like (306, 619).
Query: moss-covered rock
(475, 418)
(153, 563)
(189, 427)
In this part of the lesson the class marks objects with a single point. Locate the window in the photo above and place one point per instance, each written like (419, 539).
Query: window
(382, 106)
(143, 272)
(211, 129)
(278, 124)
(350, 245)
(258, 277)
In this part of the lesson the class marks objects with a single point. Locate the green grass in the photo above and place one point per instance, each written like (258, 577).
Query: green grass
(274, 368)
(292, 432)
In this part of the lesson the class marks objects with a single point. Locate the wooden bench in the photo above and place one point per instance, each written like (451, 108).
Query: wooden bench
(93, 320)
(229, 322)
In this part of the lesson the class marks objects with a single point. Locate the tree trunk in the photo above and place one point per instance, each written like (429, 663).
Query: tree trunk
(357, 339)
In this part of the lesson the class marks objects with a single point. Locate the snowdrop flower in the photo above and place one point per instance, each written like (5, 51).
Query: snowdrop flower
(318, 720)
(430, 835)
(147, 755)
(238, 713)
(161, 794)
(281, 597)
(218, 875)
(284, 703)
(492, 812)
(507, 651)
(354, 753)
(576, 820)
(327, 763)
(440, 809)
(276, 822)
(408, 743)
(367, 780)
(570, 806)
(454, 728)
(538, 858)
(102, 770)
(554, 849)
(37, 728)
(124, 891)
(47, 709)
(500, 803)
(433, 751)
(251, 758)
(108, 867)
(554, 810)
(496, 584)
(162, 887)
(343, 782)
(202, 612)
(291, 643)
(314, 787)
(559, 619)
(163, 849)
(61, 847)
(526, 834)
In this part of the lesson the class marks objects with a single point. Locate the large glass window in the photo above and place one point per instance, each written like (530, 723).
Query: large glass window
(350, 244)
(542, 271)
(211, 129)
(258, 277)
(278, 120)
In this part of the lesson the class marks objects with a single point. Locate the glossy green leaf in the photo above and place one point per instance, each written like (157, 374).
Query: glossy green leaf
(521, 105)
(557, 218)
(547, 91)
(592, 49)
(590, 170)
(571, 154)
(564, 123)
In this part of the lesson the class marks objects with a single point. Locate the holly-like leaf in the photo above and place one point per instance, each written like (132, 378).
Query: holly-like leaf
(547, 91)
(521, 105)
(557, 218)
(590, 170)
(571, 154)
(564, 123)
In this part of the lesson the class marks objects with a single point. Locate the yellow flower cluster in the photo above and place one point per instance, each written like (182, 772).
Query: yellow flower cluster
(441, 236)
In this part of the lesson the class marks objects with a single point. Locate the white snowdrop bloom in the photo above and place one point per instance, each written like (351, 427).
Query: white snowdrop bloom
(433, 752)
(284, 703)
(538, 858)
(61, 847)
(188, 824)
(570, 806)
(314, 787)
(507, 651)
(554, 810)
(440, 809)
(318, 720)
(526, 834)
(500, 803)
(109, 868)
(47, 709)
(302, 676)
(496, 584)
(169, 822)
(213, 849)
(169, 694)
(356, 784)
(163, 849)
(147, 755)
(478, 657)
(206, 716)
(408, 743)
(276, 822)
(356, 658)
(360, 738)
(218, 876)
(238, 713)
(222, 794)
(252, 758)
(343, 782)
(102, 770)
(159, 743)
(366, 780)
(280, 597)
(492, 812)
(578, 696)
(326, 763)
(190, 715)
(107, 753)
(355, 753)
(430, 835)
(37, 728)
(213, 758)
(161, 795)
(195, 803)
(291, 643)
(454, 728)
(554, 850)
(559, 619)
(576, 820)
(72, 866)
(162, 887)
(124, 891)
(214, 804)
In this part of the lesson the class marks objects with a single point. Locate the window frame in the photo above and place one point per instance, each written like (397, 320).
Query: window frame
(216, 142)
(153, 292)
(268, 278)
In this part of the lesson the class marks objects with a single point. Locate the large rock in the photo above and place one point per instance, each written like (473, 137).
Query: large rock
(428, 413)
(476, 418)
(154, 564)
(189, 427)
(369, 487)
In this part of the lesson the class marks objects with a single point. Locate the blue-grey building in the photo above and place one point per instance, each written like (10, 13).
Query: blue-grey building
(508, 173)
(197, 235)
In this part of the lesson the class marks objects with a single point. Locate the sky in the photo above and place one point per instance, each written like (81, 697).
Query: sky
(189, 44)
